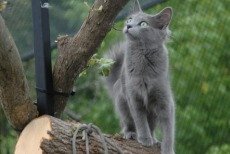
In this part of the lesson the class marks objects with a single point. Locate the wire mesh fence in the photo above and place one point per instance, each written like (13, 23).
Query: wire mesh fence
(199, 65)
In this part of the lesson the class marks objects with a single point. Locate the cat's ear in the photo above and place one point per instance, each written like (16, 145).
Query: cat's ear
(163, 18)
(136, 7)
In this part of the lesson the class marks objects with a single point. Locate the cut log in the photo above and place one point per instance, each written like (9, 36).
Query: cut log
(49, 135)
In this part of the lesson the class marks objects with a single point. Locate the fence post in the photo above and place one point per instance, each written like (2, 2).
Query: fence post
(43, 68)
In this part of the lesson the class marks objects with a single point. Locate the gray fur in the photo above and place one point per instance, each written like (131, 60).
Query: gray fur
(139, 83)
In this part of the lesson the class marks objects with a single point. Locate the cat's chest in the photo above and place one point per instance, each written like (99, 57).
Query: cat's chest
(141, 82)
(141, 85)
(141, 65)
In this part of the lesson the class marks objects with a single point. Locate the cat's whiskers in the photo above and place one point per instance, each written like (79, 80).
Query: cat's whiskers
(120, 30)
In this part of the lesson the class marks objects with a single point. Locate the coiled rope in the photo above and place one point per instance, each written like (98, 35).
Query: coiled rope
(87, 130)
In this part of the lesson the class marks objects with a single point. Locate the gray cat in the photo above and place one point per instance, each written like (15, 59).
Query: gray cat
(138, 82)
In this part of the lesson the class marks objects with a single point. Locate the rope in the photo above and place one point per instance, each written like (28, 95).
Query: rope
(87, 130)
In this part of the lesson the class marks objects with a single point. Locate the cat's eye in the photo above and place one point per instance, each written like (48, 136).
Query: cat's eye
(129, 20)
(143, 24)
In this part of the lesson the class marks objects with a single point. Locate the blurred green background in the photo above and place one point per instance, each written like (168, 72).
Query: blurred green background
(199, 64)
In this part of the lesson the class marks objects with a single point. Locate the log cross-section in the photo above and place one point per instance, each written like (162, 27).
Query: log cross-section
(49, 135)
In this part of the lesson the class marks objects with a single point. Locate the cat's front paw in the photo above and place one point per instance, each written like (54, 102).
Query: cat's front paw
(130, 135)
(167, 151)
(155, 141)
(145, 141)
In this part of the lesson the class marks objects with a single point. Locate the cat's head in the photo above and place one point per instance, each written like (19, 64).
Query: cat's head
(145, 27)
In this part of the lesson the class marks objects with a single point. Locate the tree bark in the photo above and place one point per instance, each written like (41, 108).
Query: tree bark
(49, 135)
(14, 92)
(75, 52)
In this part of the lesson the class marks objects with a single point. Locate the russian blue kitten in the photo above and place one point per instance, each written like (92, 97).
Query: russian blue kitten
(139, 82)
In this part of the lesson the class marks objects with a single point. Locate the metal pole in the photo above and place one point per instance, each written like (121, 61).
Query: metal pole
(43, 68)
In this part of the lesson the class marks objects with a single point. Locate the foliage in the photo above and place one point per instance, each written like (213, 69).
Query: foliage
(7, 135)
(199, 62)
(3, 5)
(103, 65)
(223, 149)
(200, 75)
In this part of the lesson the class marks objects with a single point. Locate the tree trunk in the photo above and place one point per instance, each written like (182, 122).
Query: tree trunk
(49, 135)
(14, 92)
(75, 52)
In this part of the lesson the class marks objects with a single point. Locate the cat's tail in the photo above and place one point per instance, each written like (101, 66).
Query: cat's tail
(117, 54)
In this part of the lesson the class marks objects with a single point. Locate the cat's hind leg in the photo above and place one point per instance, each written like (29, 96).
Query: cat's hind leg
(166, 118)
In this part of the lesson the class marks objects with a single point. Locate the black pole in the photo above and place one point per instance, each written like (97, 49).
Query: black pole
(43, 69)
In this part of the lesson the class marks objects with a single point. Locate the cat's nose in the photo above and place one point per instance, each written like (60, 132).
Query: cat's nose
(129, 26)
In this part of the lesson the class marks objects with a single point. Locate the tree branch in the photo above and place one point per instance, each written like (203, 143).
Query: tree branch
(75, 52)
(14, 92)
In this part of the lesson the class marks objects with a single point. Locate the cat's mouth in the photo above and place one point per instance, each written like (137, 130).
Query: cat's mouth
(127, 32)
(126, 29)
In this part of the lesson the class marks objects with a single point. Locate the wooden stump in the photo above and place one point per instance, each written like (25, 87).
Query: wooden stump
(50, 135)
